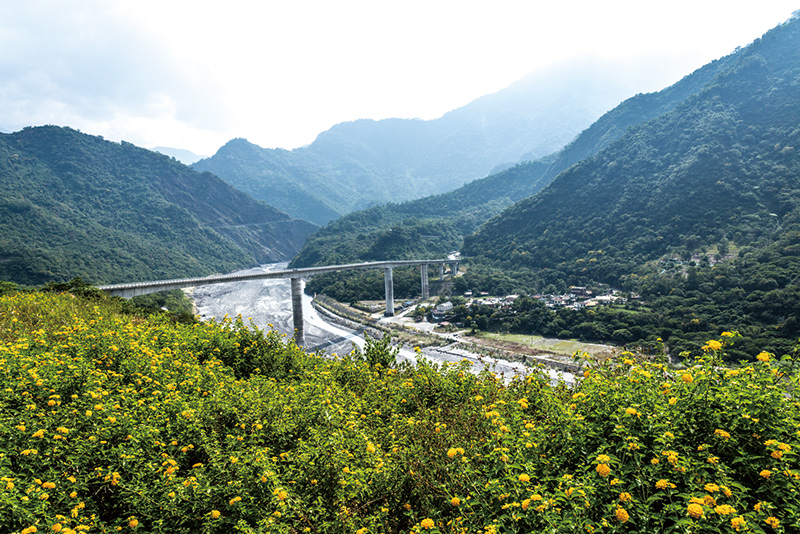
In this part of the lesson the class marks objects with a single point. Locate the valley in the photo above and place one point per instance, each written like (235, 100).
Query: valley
(267, 304)
(611, 345)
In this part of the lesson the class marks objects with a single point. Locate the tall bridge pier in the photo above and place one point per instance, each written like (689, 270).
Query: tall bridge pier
(297, 311)
(296, 278)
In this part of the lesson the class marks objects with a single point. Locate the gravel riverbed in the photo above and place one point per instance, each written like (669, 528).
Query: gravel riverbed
(268, 304)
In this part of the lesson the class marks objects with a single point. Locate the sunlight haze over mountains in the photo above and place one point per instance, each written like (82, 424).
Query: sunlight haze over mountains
(189, 76)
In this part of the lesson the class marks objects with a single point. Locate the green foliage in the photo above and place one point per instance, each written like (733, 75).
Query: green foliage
(75, 205)
(113, 422)
(378, 353)
(720, 165)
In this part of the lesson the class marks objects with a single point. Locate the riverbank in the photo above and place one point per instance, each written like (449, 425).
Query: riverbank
(552, 353)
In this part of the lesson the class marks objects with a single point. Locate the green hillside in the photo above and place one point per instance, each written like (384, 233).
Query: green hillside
(724, 164)
(714, 179)
(351, 237)
(75, 205)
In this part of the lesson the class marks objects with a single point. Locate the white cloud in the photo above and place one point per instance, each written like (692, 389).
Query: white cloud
(195, 74)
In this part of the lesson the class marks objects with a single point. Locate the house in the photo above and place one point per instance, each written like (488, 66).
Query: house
(442, 310)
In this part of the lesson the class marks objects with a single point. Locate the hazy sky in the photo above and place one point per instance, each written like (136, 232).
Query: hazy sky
(194, 74)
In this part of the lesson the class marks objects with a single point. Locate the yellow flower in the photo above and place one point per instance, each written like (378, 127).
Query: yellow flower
(603, 470)
(133, 522)
(625, 497)
(737, 523)
(721, 433)
(711, 488)
(694, 510)
(524, 478)
(772, 522)
(724, 509)
(526, 503)
(455, 501)
(673, 400)
(452, 452)
(765, 473)
(777, 454)
(603, 459)
(763, 356)
(56, 528)
(370, 448)
(621, 514)
(282, 495)
(712, 344)
(686, 377)
(727, 334)
(215, 514)
(427, 523)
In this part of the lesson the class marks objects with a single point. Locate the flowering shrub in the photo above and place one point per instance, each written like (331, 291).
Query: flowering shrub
(111, 423)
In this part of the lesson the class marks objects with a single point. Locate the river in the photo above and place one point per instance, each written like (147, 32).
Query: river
(268, 304)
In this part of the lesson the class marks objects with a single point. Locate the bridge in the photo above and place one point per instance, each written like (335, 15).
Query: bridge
(296, 276)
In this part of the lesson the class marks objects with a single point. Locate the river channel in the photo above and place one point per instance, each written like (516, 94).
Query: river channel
(267, 303)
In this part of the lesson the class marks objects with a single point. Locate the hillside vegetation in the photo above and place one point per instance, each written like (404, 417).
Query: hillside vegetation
(75, 205)
(723, 164)
(111, 422)
(717, 175)
(351, 237)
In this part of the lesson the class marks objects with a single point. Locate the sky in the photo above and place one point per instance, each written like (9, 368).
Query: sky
(195, 74)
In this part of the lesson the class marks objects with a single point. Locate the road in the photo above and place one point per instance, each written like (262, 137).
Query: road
(268, 304)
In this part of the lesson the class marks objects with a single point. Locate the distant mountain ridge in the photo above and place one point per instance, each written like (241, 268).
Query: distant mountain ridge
(351, 237)
(357, 164)
(73, 204)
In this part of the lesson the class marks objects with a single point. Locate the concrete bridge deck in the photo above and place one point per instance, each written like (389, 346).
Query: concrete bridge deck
(296, 276)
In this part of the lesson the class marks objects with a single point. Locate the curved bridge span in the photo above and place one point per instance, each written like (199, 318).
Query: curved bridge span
(295, 276)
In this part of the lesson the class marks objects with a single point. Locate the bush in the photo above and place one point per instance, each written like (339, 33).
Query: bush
(117, 423)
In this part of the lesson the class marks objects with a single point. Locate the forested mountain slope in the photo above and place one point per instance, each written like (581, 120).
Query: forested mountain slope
(697, 211)
(462, 211)
(76, 205)
(358, 164)
(723, 164)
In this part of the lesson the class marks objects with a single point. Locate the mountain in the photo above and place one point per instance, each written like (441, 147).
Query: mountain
(186, 157)
(724, 163)
(355, 165)
(352, 237)
(76, 205)
(687, 198)
(696, 210)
